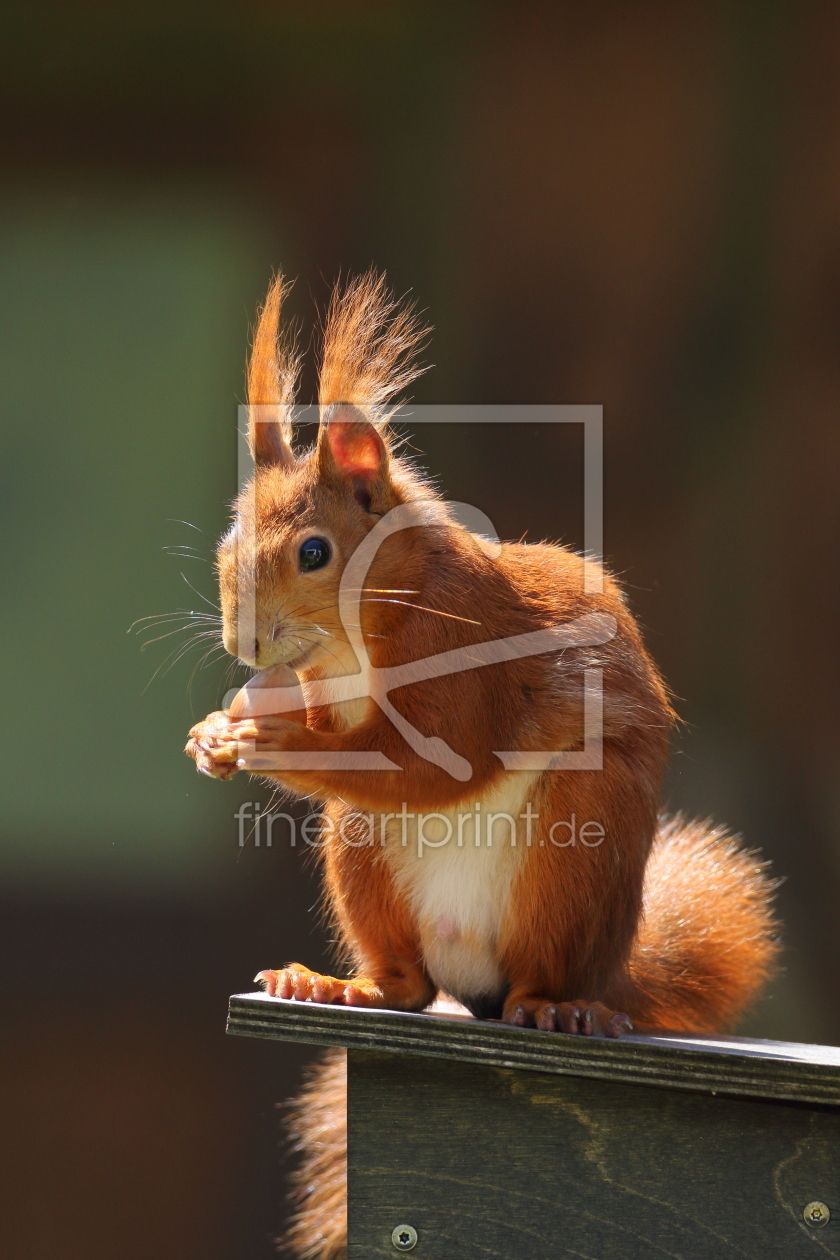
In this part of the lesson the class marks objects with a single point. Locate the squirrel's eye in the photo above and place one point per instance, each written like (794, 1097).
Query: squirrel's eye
(314, 554)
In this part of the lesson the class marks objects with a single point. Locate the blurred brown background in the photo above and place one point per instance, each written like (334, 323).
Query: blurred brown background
(629, 204)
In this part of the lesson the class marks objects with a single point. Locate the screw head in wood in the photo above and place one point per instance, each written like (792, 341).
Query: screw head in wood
(816, 1214)
(404, 1237)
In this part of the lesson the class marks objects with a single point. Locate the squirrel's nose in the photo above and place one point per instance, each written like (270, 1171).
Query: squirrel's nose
(256, 648)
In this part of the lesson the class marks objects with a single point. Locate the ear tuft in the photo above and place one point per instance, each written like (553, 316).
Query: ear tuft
(272, 376)
(370, 343)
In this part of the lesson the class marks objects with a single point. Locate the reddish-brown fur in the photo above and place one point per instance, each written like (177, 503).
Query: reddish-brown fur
(667, 923)
(319, 1132)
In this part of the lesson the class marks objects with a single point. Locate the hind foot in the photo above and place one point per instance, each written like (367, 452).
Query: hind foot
(587, 1019)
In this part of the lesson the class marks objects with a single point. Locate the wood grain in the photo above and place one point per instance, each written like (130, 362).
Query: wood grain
(488, 1162)
(736, 1066)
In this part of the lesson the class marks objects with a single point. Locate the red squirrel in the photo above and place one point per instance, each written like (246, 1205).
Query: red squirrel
(638, 922)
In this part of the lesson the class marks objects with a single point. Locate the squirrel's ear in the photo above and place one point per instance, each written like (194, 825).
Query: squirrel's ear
(350, 447)
(272, 376)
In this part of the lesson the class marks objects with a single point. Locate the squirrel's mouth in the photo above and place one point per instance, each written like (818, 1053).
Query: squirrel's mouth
(298, 644)
(293, 654)
(295, 649)
(291, 645)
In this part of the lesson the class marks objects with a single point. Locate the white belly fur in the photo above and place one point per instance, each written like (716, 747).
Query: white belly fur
(459, 892)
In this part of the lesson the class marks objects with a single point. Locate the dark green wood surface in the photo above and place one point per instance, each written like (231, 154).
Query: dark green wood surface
(521, 1165)
(739, 1066)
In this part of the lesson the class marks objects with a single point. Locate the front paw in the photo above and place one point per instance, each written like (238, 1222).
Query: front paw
(586, 1019)
(211, 748)
(259, 738)
(219, 746)
(301, 984)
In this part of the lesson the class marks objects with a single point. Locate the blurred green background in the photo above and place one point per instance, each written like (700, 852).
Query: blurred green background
(632, 204)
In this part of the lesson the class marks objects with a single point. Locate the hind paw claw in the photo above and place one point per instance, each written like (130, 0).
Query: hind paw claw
(585, 1019)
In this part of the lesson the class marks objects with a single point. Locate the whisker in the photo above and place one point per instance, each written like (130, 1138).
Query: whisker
(421, 608)
(233, 665)
(315, 643)
(174, 521)
(350, 625)
(184, 555)
(201, 634)
(198, 623)
(173, 616)
(201, 663)
(178, 652)
(181, 652)
(177, 649)
(198, 593)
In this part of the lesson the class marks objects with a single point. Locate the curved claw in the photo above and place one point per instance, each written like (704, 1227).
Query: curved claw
(583, 1019)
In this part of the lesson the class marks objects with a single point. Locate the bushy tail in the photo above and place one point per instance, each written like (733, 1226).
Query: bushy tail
(319, 1128)
(709, 938)
(707, 943)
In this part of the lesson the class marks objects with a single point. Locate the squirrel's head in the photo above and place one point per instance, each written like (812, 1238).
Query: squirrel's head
(302, 516)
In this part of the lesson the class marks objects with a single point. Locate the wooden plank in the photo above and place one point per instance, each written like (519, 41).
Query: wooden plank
(736, 1065)
(486, 1162)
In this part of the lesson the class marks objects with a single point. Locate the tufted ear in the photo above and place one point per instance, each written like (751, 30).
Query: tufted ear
(272, 375)
(351, 449)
